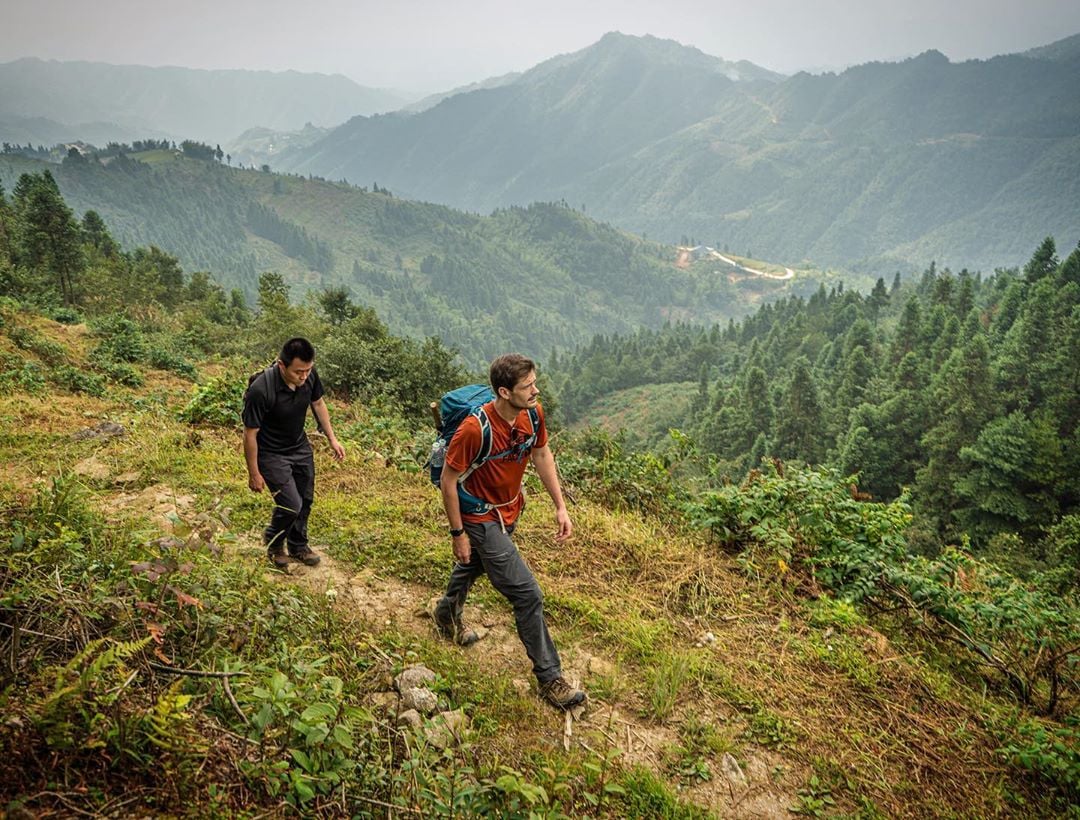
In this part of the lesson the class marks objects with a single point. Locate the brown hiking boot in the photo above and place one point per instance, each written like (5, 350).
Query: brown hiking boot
(561, 694)
(453, 629)
(278, 559)
(305, 556)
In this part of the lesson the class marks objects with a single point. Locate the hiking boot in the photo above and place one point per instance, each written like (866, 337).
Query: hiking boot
(453, 629)
(278, 559)
(561, 694)
(305, 556)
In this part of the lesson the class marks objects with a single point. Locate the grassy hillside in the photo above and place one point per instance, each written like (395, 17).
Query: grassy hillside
(135, 580)
(532, 278)
(643, 414)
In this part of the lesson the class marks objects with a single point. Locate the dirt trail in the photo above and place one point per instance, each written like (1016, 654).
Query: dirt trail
(389, 602)
(384, 602)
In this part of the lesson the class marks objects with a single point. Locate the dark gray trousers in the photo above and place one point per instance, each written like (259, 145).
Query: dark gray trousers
(494, 553)
(290, 478)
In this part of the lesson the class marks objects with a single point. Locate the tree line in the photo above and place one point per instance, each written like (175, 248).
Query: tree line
(963, 391)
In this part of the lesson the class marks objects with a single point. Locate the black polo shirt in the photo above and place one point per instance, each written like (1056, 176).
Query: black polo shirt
(278, 412)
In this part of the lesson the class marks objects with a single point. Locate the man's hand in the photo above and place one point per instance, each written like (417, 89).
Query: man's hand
(462, 548)
(256, 482)
(565, 528)
(339, 451)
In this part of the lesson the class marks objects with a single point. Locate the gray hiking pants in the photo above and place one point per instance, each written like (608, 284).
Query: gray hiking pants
(494, 553)
(290, 478)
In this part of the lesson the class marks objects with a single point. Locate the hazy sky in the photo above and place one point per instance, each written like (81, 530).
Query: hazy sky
(429, 45)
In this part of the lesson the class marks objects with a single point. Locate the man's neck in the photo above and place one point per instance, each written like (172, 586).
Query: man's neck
(506, 411)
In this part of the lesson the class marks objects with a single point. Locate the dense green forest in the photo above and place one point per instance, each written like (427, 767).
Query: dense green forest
(961, 390)
(526, 278)
(782, 627)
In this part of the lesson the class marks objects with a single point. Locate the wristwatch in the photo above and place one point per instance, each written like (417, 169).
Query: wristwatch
(455, 533)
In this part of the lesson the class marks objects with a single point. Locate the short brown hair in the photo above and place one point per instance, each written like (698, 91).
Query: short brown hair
(508, 369)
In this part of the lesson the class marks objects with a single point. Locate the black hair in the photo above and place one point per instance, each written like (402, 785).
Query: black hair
(296, 348)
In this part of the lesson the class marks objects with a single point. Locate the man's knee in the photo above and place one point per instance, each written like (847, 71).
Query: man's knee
(527, 596)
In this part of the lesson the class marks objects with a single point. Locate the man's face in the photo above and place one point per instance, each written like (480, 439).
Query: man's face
(295, 373)
(525, 393)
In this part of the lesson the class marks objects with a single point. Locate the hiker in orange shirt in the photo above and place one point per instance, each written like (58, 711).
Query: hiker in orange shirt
(482, 542)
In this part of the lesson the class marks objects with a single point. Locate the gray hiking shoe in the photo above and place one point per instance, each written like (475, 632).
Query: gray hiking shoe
(453, 629)
(305, 556)
(561, 694)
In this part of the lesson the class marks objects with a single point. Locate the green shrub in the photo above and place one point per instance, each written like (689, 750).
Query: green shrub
(29, 378)
(121, 373)
(1048, 751)
(164, 359)
(76, 380)
(219, 402)
(66, 316)
(597, 464)
(122, 339)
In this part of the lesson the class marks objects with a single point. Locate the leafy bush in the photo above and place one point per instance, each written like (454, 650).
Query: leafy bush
(808, 519)
(121, 339)
(1048, 751)
(813, 521)
(219, 402)
(79, 381)
(164, 359)
(121, 373)
(29, 378)
(66, 316)
(596, 464)
(362, 361)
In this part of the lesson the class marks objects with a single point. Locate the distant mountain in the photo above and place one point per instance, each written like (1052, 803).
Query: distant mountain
(45, 132)
(534, 137)
(212, 106)
(432, 100)
(886, 165)
(260, 146)
(1063, 51)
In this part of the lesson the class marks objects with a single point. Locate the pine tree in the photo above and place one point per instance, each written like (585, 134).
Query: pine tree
(800, 429)
(49, 241)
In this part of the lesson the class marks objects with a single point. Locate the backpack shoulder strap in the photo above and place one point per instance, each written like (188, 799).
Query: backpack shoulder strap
(485, 440)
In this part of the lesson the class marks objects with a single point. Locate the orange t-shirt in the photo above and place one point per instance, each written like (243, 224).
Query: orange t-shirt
(497, 480)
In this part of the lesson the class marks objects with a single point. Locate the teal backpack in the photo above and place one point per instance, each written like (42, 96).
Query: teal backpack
(454, 407)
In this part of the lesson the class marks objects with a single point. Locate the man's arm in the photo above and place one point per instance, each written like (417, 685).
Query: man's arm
(251, 456)
(318, 407)
(544, 462)
(452, 505)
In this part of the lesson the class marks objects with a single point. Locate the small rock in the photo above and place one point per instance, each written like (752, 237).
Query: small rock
(91, 468)
(732, 771)
(414, 677)
(410, 718)
(421, 699)
(382, 701)
(446, 728)
(107, 429)
(757, 770)
(521, 686)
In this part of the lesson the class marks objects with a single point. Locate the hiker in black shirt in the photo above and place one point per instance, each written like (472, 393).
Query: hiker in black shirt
(278, 452)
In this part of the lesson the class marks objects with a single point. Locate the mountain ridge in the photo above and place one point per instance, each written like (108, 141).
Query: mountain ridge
(786, 165)
(212, 105)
